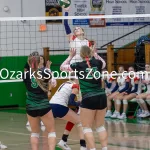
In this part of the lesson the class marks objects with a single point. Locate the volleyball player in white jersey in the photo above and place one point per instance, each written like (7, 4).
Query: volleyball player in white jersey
(113, 93)
(145, 96)
(64, 96)
(132, 92)
(110, 84)
(76, 39)
(123, 85)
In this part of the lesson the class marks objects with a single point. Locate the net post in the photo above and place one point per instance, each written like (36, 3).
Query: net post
(46, 53)
(110, 58)
(147, 53)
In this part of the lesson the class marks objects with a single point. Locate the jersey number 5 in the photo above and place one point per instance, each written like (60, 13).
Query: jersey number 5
(34, 84)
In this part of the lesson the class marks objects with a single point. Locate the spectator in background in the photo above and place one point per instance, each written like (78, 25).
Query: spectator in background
(133, 90)
(110, 84)
(145, 96)
(114, 92)
(123, 85)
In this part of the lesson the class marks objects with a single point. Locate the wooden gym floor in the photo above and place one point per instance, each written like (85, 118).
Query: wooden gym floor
(131, 134)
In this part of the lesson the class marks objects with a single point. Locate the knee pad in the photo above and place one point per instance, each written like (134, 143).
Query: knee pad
(148, 101)
(137, 100)
(100, 129)
(141, 101)
(125, 102)
(118, 102)
(87, 130)
(79, 125)
(51, 134)
(35, 135)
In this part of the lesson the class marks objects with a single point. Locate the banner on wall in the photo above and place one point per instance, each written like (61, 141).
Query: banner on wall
(80, 8)
(97, 22)
(97, 8)
(52, 8)
(125, 7)
(110, 7)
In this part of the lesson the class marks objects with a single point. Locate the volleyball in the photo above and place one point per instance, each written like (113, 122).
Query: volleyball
(64, 3)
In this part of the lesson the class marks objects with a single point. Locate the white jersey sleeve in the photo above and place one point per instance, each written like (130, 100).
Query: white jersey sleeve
(62, 95)
(77, 44)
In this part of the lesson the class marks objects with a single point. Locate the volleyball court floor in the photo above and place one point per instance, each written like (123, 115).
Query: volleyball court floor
(123, 135)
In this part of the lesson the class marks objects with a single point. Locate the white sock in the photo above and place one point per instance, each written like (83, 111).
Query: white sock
(146, 111)
(104, 148)
(108, 111)
(93, 149)
(115, 111)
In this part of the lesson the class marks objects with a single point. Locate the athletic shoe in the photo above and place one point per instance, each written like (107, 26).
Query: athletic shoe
(115, 115)
(122, 116)
(143, 112)
(78, 113)
(28, 128)
(28, 123)
(43, 128)
(42, 123)
(146, 114)
(83, 148)
(2, 146)
(108, 114)
(63, 145)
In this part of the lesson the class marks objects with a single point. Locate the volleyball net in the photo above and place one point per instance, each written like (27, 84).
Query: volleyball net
(19, 37)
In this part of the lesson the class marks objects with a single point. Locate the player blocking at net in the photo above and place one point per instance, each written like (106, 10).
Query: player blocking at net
(76, 39)
(94, 101)
(37, 104)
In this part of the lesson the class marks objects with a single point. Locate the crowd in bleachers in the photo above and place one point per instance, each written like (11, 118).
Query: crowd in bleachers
(121, 90)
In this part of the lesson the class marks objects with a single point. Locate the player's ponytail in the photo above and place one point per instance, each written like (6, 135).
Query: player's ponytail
(34, 65)
(86, 54)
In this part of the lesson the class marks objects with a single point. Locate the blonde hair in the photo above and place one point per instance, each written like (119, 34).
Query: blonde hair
(85, 52)
(81, 29)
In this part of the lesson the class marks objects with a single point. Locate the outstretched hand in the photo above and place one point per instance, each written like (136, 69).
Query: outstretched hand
(72, 52)
(48, 64)
(66, 9)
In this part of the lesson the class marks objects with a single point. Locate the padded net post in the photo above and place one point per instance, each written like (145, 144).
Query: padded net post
(147, 53)
(110, 58)
(46, 53)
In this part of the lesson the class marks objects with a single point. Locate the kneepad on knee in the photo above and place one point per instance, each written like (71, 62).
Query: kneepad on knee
(125, 102)
(118, 102)
(87, 130)
(100, 129)
(37, 135)
(51, 134)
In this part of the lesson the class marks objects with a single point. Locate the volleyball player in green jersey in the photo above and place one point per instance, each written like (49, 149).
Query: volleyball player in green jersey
(94, 102)
(37, 104)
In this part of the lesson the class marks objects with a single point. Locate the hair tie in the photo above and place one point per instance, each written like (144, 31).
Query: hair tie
(33, 62)
(87, 61)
